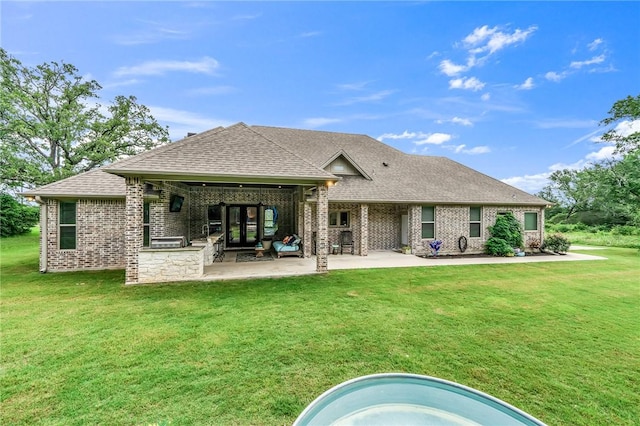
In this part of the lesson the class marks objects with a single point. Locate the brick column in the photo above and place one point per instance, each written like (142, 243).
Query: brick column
(364, 229)
(322, 237)
(308, 232)
(415, 227)
(134, 231)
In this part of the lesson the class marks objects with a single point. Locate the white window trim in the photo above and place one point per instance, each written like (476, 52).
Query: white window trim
(67, 225)
(428, 221)
(475, 221)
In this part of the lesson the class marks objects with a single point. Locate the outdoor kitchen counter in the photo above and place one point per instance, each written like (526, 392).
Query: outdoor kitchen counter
(170, 264)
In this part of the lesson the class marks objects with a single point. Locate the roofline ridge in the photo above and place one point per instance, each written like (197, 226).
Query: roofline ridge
(311, 130)
(308, 162)
(493, 178)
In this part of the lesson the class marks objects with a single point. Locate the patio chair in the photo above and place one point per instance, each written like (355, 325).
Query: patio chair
(346, 241)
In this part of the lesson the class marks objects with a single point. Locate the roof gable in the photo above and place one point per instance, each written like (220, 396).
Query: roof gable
(236, 152)
(342, 158)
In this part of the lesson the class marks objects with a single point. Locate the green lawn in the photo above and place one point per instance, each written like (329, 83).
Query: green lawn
(559, 340)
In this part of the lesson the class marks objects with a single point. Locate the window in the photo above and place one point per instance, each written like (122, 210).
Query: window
(67, 226)
(146, 225)
(475, 221)
(428, 222)
(531, 221)
(341, 219)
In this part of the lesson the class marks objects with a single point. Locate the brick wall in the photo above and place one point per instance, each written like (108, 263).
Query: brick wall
(202, 197)
(99, 236)
(384, 226)
(452, 222)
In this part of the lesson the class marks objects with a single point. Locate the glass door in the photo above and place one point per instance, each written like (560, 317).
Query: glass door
(242, 226)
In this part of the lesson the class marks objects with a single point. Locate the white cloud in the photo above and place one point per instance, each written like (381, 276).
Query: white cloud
(593, 61)
(529, 183)
(477, 150)
(462, 149)
(466, 83)
(626, 128)
(483, 41)
(462, 121)
(554, 76)
(457, 120)
(181, 122)
(434, 139)
(604, 153)
(595, 43)
(404, 135)
(527, 85)
(491, 40)
(450, 69)
(485, 96)
(206, 65)
(320, 121)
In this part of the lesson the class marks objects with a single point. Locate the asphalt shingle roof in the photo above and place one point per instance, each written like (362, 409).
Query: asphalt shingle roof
(92, 184)
(232, 151)
(405, 178)
(276, 152)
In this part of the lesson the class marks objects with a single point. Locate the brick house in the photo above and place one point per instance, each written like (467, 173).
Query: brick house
(231, 180)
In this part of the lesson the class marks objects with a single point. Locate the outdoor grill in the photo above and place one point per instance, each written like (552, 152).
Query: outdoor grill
(167, 242)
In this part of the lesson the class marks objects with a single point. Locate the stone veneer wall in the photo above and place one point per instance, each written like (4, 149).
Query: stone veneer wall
(100, 226)
(170, 265)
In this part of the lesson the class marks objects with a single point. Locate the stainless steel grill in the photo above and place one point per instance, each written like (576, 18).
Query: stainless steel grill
(167, 242)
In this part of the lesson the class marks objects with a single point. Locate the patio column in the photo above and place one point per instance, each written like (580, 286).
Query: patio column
(308, 232)
(134, 231)
(322, 237)
(364, 229)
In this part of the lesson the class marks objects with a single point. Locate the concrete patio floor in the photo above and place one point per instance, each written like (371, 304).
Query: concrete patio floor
(229, 269)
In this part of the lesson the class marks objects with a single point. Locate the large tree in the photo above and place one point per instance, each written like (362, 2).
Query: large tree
(626, 135)
(608, 190)
(52, 126)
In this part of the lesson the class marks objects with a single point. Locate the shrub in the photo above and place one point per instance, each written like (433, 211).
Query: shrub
(498, 247)
(16, 218)
(507, 228)
(625, 230)
(556, 243)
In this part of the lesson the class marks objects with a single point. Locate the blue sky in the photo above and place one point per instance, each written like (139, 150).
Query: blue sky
(512, 89)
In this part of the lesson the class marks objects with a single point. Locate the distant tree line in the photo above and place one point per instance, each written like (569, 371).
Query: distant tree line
(607, 192)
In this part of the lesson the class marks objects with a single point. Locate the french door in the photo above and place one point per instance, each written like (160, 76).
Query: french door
(242, 226)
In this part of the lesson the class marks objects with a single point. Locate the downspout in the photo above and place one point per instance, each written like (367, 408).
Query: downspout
(44, 243)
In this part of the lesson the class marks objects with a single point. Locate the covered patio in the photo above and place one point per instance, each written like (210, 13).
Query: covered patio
(229, 269)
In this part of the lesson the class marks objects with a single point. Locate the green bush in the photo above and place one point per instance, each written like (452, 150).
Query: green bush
(498, 247)
(16, 218)
(509, 229)
(556, 243)
(625, 230)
